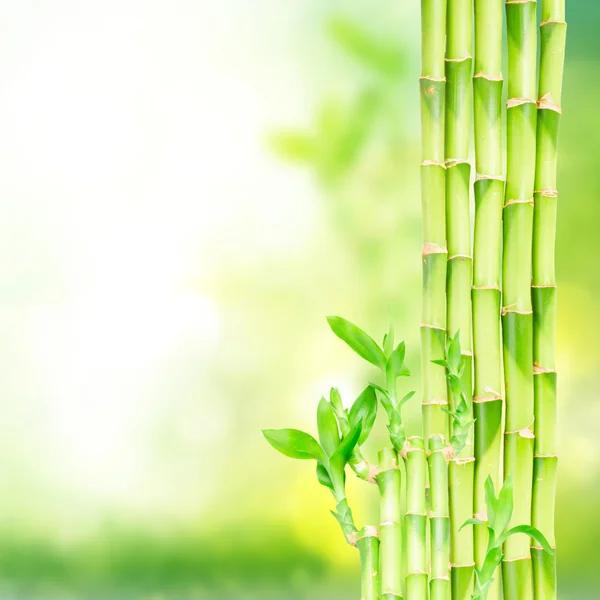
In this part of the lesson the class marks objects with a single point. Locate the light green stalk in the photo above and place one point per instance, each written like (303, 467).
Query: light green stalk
(368, 548)
(415, 520)
(459, 64)
(489, 199)
(433, 177)
(390, 529)
(517, 319)
(439, 519)
(553, 38)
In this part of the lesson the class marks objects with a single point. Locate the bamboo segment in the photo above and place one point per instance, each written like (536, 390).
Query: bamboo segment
(439, 520)
(415, 520)
(368, 548)
(553, 31)
(459, 70)
(517, 319)
(390, 529)
(489, 200)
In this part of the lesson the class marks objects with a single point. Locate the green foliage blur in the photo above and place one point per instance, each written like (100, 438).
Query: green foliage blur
(246, 169)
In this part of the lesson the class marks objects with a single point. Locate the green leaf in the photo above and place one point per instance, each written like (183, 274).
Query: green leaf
(336, 399)
(294, 443)
(362, 343)
(364, 411)
(534, 533)
(384, 398)
(504, 507)
(492, 560)
(441, 363)
(491, 501)
(396, 430)
(405, 399)
(454, 353)
(388, 341)
(395, 362)
(344, 451)
(473, 521)
(323, 476)
(329, 435)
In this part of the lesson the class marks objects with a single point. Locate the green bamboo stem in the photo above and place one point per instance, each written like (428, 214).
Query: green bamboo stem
(553, 31)
(459, 66)
(390, 529)
(489, 200)
(415, 520)
(439, 519)
(517, 315)
(433, 184)
(368, 548)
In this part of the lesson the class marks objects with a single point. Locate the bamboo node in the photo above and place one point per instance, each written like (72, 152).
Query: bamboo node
(482, 75)
(461, 59)
(541, 286)
(539, 370)
(454, 162)
(389, 523)
(535, 547)
(461, 462)
(551, 21)
(484, 399)
(435, 402)
(482, 516)
(517, 558)
(519, 201)
(431, 248)
(512, 308)
(465, 256)
(449, 453)
(547, 193)
(435, 79)
(483, 177)
(433, 163)
(461, 566)
(519, 1)
(546, 102)
(514, 102)
(486, 287)
(441, 578)
(430, 326)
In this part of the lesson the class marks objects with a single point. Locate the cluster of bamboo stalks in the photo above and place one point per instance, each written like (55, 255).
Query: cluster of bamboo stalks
(487, 326)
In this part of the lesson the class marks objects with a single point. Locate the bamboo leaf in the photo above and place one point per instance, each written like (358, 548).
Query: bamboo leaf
(534, 533)
(395, 362)
(323, 476)
(388, 341)
(294, 443)
(405, 399)
(327, 426)
(344, 451)
(492, 560)
(362, 343)
(491, 501)
(504, 507)
(473, 521)
(364, 411)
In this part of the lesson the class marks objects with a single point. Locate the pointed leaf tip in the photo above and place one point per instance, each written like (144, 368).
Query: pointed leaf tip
(362, 343)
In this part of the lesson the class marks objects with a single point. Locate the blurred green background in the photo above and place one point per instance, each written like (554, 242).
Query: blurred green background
(188, 187)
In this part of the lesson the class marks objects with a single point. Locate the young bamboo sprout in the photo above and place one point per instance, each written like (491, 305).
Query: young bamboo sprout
(499, 511)
(332, 455)
(517, 315)
(553, 37)
(390, 360)
(461, 468)
(489, 199)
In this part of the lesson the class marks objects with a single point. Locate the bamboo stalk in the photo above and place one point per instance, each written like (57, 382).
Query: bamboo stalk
(368, 548)
(459, 65)
(517, 315)
(415, 520)
(489, 199)
(553, 30)
(390, 529)
(439, 520)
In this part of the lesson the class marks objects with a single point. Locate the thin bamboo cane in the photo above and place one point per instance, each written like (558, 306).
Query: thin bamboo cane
(415, 520)
(390, 529)
(553, 31)
(459, 65)
(517, 315)
(489, 199)
(368, 548)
